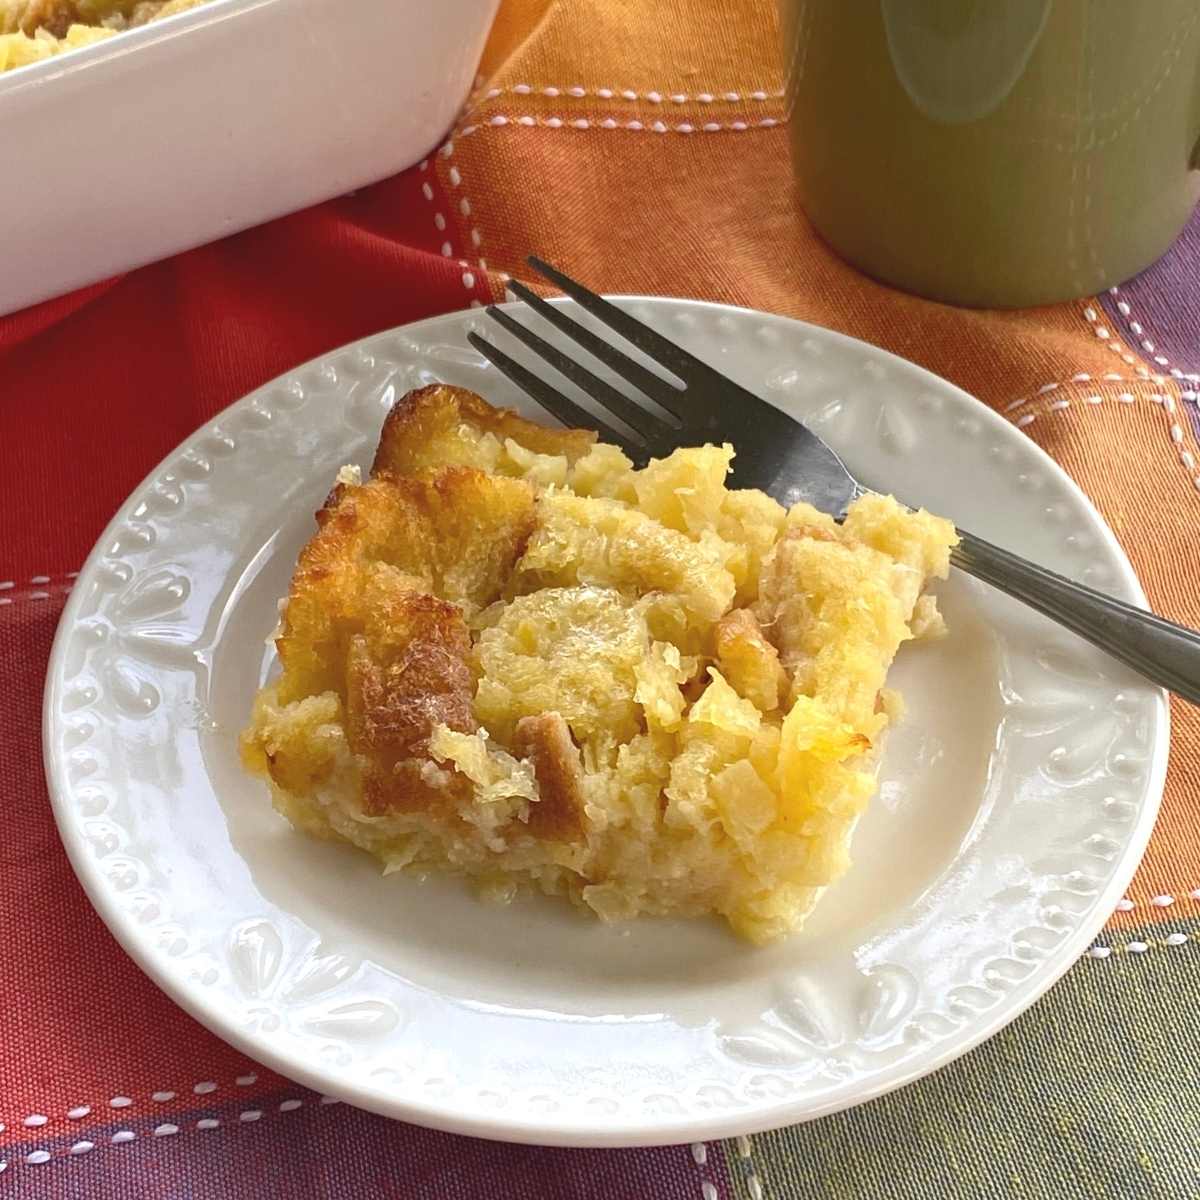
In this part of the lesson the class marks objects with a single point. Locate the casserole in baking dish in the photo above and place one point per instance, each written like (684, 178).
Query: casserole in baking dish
(209, 120)
(31, 30)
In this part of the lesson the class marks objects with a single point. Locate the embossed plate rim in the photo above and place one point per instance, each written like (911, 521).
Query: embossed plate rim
(646, 1127)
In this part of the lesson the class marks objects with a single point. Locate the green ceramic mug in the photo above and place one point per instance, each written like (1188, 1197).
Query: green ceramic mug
(996, 153)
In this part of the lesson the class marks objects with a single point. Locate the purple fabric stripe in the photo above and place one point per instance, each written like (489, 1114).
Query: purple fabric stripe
(1162, 300)
(1159, 307)
(341, 1153)
(1193, 416)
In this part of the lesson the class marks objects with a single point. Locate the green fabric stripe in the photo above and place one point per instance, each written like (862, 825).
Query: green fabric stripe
(1093, 1093)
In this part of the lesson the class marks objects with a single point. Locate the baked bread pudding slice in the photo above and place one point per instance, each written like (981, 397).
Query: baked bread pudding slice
(510, 655)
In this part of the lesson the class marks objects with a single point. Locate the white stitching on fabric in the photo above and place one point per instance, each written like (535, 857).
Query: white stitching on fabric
(439, 221)
(1175, 430)
(1105, 335)
(120, 1102)
(655, 97)
(708, 1189)
(525, 121)
(248, 1116)
(753, 1180)
(454, 175)
(469, 279)
(38, 587)
(1170, 940)
(10, 585)
(629, 94)
(1079, 377)
(1093, 401)
(1136, 328)
(1162, 900)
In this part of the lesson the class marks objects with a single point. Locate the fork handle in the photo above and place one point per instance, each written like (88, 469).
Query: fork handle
(1165, 653)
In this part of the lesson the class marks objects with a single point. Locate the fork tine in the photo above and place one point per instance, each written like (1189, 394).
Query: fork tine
(553, 401)
(663, 393)
(633, 414)
(665, 352)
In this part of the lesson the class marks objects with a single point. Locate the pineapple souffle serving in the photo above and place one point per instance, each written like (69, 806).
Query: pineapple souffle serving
(510, 655)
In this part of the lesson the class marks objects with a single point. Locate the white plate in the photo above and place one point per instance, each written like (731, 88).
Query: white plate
(1016, 796)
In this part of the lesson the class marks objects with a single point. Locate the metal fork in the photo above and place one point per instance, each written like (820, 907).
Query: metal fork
(787, 460)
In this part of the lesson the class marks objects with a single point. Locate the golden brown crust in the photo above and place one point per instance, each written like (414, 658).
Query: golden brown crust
(380, 595)
(398, 692)
(393, 706)
(457, 532)
(748, 660)
(411, 785)
(421, 432)
(546, 741)
(54, 16)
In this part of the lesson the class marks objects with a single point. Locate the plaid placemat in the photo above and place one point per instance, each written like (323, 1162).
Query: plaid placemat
(643, 147)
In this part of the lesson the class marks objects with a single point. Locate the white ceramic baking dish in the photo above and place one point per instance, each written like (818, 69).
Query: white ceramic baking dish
(181, 131)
